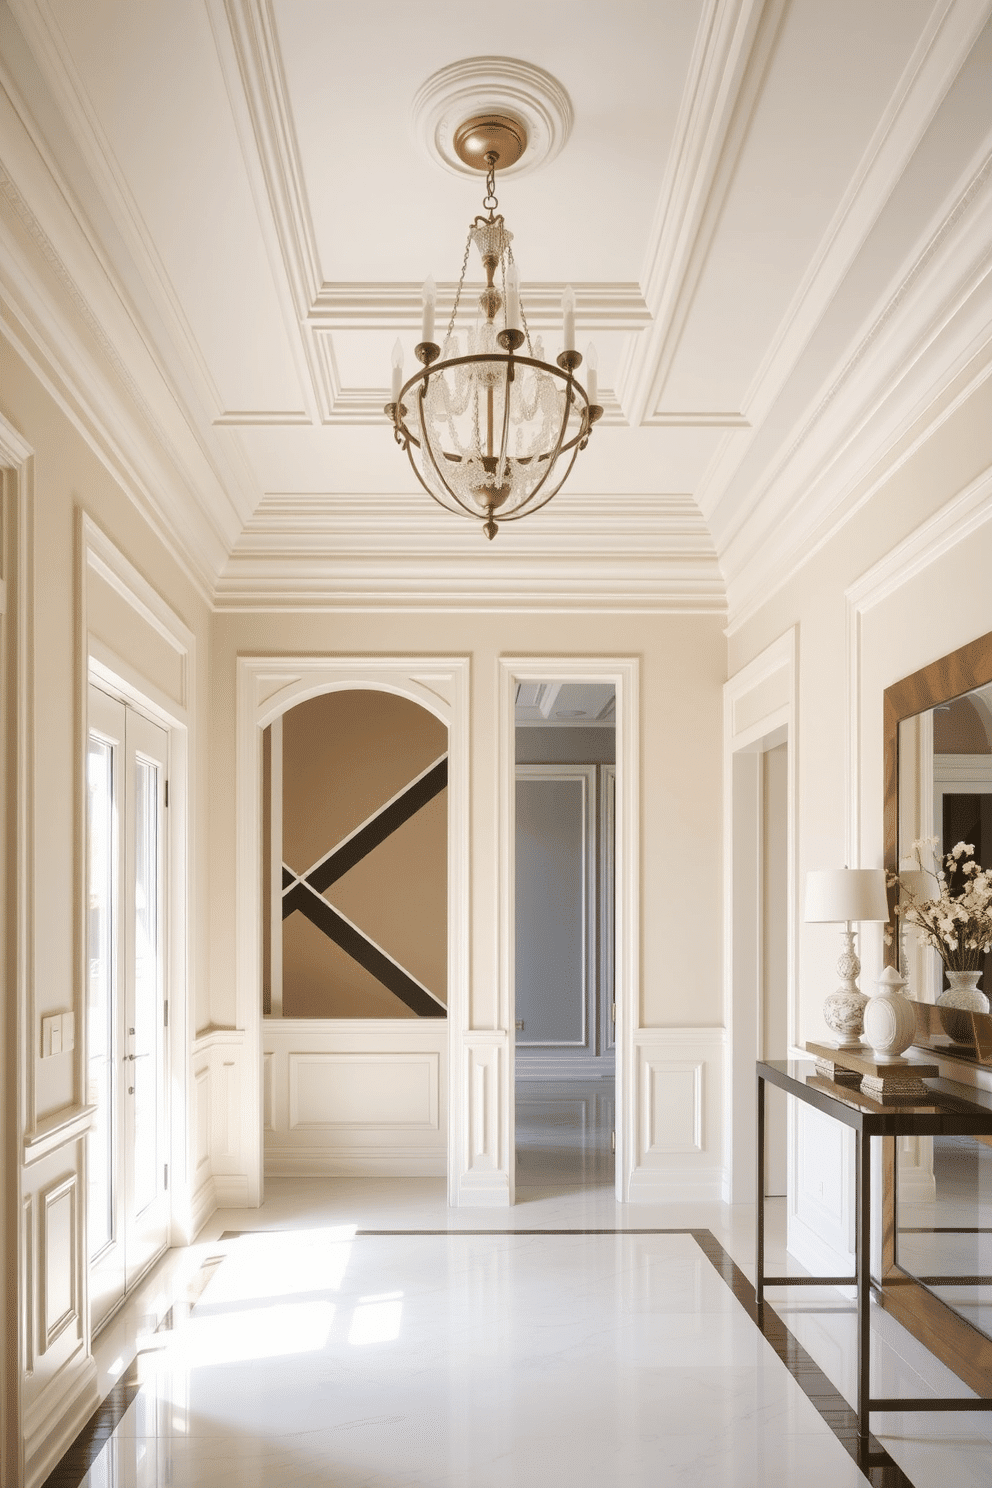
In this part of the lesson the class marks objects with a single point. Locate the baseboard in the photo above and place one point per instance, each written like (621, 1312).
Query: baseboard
(483, 1191)
(813, 1253)
(55, 1418)
(204, 1204)
(231, 1190)
(334, 1163)
(675, 1185)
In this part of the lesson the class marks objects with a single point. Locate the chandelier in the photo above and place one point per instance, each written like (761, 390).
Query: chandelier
(492, 433)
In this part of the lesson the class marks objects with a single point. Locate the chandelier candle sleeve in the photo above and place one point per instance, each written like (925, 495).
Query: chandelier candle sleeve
(397, 370)
(568, 315)
(592, 373)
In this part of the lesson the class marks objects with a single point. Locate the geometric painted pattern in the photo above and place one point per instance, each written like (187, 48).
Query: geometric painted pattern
(304, 892)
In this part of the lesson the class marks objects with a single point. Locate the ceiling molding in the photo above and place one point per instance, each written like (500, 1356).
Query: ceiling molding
(938, 57)
(248, 26)
(385, 303)
(733, 47)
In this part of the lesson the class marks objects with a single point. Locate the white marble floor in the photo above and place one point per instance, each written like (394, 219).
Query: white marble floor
(299, 1351)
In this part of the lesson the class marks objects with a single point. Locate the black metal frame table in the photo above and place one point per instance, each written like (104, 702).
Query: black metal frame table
(954, 1110)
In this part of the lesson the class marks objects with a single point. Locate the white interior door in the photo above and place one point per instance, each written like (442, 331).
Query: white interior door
(127, 1174)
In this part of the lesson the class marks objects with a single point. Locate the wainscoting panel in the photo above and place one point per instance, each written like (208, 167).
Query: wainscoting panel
(218, 1136)
(486, 1180)
(821, 1188)
(348, 1091)
(679, 1100)
(58, 1238)
(347, 1096)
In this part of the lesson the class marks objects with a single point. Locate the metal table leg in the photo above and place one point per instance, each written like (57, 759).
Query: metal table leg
(862, 1244)
(759, 1256)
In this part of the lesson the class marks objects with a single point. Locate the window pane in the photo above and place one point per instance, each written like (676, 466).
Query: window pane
(100, 940)
(147, 957)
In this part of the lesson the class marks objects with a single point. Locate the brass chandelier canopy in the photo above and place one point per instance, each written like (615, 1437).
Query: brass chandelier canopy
(492, 434)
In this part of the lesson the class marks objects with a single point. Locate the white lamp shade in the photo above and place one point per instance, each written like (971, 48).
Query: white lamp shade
(836, 894)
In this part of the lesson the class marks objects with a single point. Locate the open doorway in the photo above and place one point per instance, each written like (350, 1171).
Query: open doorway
(564, 870)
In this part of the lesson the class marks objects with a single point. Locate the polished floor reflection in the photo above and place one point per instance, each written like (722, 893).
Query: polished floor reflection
(564, 1135)
(358, 1333)
(946, 1240)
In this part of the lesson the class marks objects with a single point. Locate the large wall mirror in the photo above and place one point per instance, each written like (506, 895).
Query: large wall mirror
(938, 783)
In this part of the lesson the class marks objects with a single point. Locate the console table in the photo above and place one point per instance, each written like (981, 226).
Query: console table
(951, 1110)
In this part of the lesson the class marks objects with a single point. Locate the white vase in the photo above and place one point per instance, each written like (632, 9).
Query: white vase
(890, 1018)
(961, 998)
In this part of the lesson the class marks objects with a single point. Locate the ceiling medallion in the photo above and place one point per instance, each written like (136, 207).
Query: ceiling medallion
(492, 434)
(501, 86)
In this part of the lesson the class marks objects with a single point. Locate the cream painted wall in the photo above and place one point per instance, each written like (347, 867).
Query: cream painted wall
(63, 479)
(857, 633)
(682, 670)
(927, 616)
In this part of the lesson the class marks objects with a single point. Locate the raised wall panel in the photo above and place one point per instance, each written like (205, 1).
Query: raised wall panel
(201, 1112)
(358, 1097)
(671, 1106)
(59, 1259)
(349, 1090)
(27, 1285)
(267, 1097)
(678, 1152)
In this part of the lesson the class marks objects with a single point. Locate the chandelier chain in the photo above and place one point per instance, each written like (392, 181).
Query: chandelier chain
(458, 292)
(489, 201)
(523, 313)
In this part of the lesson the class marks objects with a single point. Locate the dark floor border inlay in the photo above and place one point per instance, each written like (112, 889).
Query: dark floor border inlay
(871, 1458)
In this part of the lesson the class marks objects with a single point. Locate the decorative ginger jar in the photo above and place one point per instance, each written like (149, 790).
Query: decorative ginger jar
(961, 998)
(890, 1019)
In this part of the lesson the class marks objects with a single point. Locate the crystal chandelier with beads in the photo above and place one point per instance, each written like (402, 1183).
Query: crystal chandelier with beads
(492, 431)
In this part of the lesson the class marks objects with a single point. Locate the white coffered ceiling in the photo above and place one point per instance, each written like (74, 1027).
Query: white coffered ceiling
(776, 214)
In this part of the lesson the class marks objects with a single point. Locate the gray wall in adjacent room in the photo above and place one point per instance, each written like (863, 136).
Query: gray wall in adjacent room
(566, 746)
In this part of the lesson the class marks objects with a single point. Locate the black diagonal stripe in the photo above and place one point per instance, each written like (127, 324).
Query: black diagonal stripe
(368, 956)
(287, 876)
(379, 828)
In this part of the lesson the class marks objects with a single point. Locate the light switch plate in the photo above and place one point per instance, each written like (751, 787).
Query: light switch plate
(68, 1032)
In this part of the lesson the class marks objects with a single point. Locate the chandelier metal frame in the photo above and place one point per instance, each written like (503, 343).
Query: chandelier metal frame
(507, 490)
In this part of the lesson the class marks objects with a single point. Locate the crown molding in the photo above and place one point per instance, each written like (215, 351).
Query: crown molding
(90, 351)
(135, 243)
(641, 553)
(943, 47)
(926, 350)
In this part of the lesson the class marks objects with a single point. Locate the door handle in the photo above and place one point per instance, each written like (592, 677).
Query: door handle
(130, 1058)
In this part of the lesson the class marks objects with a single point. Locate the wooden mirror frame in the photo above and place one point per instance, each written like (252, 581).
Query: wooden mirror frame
(962, 671)
(964, 1350)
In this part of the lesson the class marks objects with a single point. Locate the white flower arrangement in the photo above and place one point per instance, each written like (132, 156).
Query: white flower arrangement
(957, 921)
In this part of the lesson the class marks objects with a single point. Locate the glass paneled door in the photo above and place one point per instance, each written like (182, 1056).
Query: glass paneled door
(127, 1152)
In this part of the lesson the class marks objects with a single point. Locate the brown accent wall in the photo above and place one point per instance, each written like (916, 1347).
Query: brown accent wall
(345, 755)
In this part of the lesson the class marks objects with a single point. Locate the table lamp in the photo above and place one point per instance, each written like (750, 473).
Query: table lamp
(841, 896)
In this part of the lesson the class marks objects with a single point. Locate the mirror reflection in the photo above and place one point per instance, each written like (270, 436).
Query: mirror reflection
(944, 1197)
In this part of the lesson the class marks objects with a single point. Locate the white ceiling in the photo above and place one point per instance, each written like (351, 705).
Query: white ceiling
(775, 212)
(565, 705)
